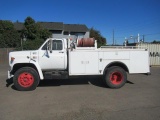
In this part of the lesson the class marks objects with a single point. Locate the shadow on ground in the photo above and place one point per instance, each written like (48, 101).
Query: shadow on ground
(9, 82)
(81, 80)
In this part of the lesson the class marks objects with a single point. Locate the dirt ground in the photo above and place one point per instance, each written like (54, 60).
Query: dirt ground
(84, 98)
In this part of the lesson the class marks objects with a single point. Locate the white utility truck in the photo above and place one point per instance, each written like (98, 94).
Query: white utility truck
(61, 59)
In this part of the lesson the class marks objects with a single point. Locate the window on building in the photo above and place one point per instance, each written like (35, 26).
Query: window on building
(57, 31)
(65, 33)
(80, 35)
(73, 33)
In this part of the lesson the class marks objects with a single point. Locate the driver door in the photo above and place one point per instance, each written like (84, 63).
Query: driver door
(54, 60)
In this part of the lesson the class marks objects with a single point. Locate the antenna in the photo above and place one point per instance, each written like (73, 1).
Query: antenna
(113, 36)
(138, 38)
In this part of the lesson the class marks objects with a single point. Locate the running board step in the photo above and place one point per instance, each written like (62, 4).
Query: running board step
(56, 75)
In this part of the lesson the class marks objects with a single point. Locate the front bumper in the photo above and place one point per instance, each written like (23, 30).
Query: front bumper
(10, 75)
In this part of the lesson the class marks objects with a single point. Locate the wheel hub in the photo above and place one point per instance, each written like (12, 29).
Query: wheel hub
(116, 78)
(25, 79)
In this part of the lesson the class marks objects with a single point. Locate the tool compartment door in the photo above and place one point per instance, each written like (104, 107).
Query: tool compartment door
(91, 65)
(83, 63)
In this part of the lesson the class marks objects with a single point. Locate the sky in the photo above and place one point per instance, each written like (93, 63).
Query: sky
(125, 17)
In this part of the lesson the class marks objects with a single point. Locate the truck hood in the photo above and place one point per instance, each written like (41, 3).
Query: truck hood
(22, 56)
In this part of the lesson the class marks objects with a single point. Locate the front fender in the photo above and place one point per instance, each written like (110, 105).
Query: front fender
(38, 69)
(15, 66)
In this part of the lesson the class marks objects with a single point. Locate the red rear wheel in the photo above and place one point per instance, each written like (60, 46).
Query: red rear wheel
(115, 77)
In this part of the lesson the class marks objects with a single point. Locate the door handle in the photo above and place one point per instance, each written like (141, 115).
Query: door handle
(61, 52)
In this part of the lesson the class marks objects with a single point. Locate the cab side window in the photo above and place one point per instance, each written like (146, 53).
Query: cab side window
(57, 45)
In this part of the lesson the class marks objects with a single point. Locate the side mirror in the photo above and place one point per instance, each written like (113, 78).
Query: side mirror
(50, 45)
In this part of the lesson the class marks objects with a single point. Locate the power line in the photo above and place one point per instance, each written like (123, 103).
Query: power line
(141, 35)
(152, 34)
(138, 26)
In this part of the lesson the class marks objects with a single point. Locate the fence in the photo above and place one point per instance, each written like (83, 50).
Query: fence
(154, 53)
(4, 54)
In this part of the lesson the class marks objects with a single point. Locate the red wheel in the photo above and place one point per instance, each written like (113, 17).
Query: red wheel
(26, 79)
(115, 77)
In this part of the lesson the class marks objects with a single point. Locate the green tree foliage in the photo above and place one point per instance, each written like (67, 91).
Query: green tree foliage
(156, 42)
(101, 41)
(33, 30)
(34, 34)
(9, 37)
(32, 44)
(30, 31)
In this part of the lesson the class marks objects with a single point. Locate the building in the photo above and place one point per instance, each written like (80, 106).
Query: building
(61, 30)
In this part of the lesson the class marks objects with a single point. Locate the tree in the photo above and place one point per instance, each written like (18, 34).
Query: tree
(34, 30)
(155, 41)
(9, 37)
(34, 34)
(30, 30)
(97, 35)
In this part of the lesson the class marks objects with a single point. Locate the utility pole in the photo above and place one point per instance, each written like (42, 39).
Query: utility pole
(113, 36)
(138, 38)
(22, 44)
(143, 38)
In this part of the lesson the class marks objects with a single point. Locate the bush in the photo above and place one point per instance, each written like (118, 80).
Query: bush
(32, 44)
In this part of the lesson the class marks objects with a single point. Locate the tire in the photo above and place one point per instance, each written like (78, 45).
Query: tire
(115, 77)
(26, 79)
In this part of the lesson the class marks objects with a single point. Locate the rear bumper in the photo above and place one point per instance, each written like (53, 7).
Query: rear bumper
(9, 75)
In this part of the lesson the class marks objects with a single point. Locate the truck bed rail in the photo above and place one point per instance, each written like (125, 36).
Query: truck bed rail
(123, 47)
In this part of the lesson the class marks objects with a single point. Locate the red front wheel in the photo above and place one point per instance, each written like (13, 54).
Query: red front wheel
(115, 77)
(26, 79)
